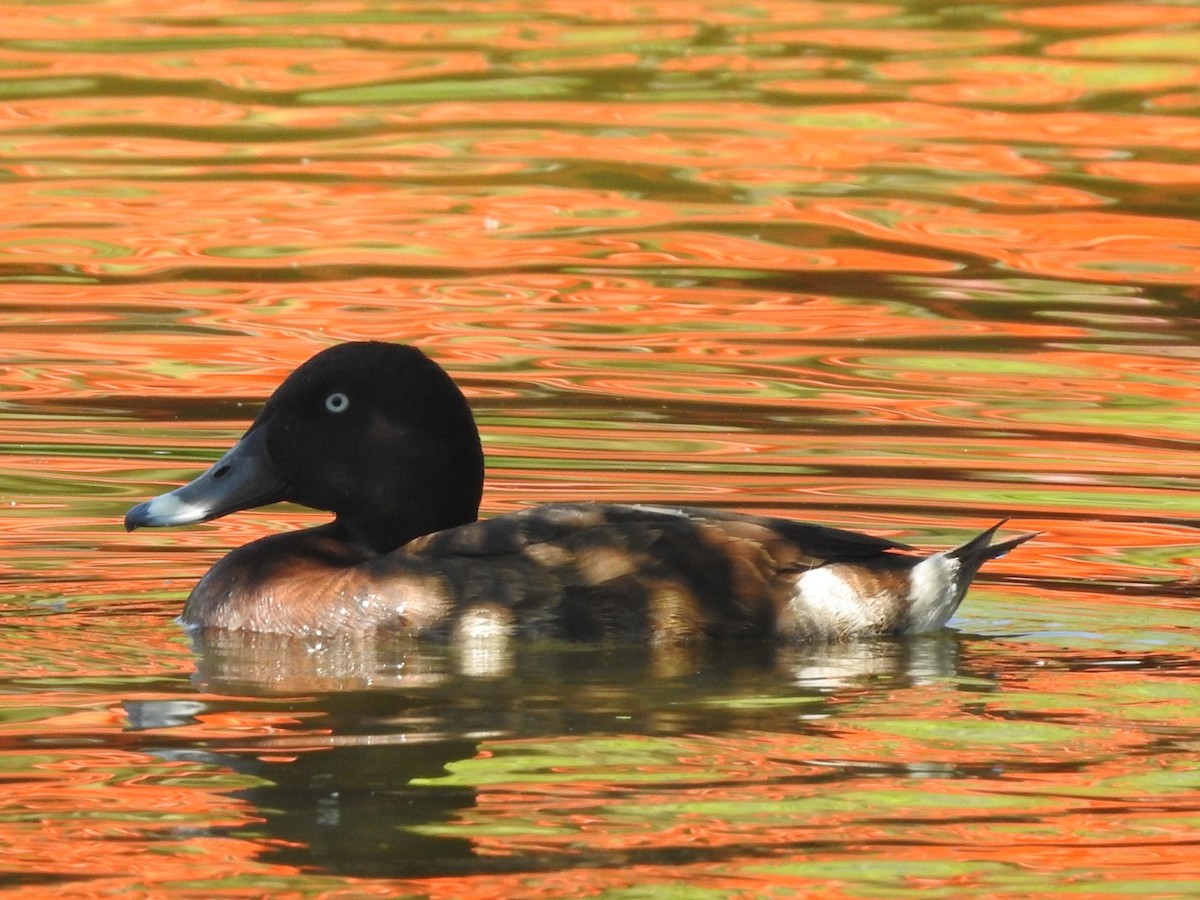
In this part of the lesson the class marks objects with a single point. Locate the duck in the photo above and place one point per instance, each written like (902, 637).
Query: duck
(380, 435)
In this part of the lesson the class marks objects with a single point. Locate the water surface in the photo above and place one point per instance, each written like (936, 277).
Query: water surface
(896, 267)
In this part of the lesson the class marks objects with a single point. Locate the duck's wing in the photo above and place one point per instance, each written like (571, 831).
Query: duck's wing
(820, 543)
(584, 571)
(562, 521)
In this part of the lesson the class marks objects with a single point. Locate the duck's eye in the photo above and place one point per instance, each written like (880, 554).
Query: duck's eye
(337, 402)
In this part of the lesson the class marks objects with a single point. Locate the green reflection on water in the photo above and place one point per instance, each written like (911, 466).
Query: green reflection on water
(1136, 267)
(1120, 416)
(1112, 76)
(1172, 775)
(883, 877)
(987, 363)
(46, 87)
(879, 801)
(11, 715)
(1164, 699)
(858, 120)
(258, 251)
(1048, 624)
(1158, 45)
(619, 759)
(748, 274)
(972, 733)
(539, 87)
(986, 495)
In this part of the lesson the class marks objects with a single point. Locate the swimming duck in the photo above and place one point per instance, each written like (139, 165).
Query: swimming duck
(380, 435)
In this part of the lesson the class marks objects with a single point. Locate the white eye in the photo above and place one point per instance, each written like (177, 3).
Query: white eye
(337, 402)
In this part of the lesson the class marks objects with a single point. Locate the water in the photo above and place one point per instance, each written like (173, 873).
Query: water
(907, 268)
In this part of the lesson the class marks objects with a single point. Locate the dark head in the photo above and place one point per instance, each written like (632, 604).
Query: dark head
(376, 433)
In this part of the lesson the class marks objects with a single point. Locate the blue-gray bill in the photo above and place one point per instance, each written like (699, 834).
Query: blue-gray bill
(241, 479)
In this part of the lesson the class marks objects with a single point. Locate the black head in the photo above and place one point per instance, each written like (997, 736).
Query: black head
(376, 433)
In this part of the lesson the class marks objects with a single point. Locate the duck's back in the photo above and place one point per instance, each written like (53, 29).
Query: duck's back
(586, 572)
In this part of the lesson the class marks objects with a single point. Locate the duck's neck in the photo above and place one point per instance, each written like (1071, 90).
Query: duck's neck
(384, 536)
(432, 486)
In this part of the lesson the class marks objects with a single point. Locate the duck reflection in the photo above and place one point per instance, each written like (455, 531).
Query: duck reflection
(351, 779)
(918, 660)
(258, 663)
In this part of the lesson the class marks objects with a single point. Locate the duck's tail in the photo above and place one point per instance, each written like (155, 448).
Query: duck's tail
(978, 550)
(939, 582)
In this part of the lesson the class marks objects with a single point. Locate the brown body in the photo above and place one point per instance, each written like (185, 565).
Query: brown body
(591, 572)
(579, 572)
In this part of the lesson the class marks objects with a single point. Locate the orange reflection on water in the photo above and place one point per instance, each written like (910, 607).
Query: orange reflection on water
(1146, 172)
(661, 272)
(1091, 244)
(541, 323)
(776, 811)
(414, 229)
(99, 808)
(242, 68)
(364, 224)
(1091, 16)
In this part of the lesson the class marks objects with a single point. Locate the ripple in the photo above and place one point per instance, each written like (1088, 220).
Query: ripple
(906, 270)
(1017, 81)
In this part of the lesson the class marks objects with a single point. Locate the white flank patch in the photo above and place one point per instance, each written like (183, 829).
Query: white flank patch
(826, 606)
(933, 593)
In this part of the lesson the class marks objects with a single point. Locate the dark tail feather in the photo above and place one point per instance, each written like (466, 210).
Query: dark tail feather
(979, 549)
(982, 544)
(996, 550)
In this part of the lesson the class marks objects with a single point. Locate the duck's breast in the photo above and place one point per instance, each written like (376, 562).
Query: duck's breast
(305, 583)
